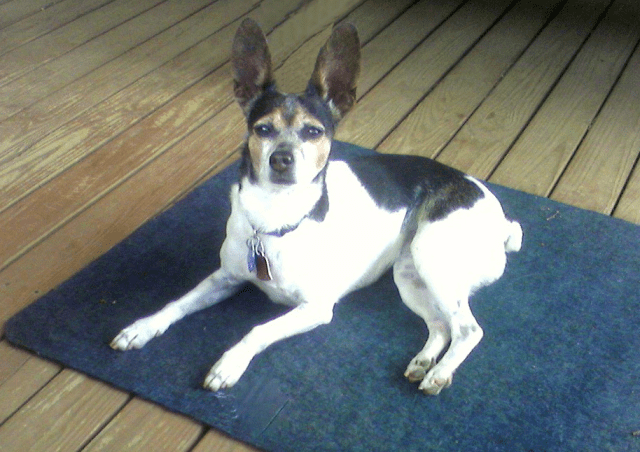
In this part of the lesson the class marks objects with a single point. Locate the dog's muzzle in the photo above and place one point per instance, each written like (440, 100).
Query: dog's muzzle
(282, 164)
(281, 160)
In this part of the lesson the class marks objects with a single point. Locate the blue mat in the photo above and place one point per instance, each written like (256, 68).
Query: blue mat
(558, 368)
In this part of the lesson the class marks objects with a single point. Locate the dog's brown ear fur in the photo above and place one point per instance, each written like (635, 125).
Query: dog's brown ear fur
(251, 62)
(337, 69)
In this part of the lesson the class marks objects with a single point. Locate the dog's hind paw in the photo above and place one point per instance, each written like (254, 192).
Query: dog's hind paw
(434, 382)
(417, 368)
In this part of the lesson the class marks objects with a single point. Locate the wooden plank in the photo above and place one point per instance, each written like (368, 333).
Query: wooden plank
(58, 201)
(628, 207)
(14, 11)
(24, 380)
(63, 416)
(49, 19)
(28, 57)
(482, 142)
(11, 359)
(437, 118)
(394, 41)
(369, 18)
(61, 71)
(219, 442)
(142, 425)
(541, 153)
(20, 132)
(393, 98)
(598, 172)
(374, 16)
(399, 39)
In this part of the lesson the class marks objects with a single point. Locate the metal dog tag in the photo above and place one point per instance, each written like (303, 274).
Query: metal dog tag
(252, 244)
(257, 259)
(263, 269)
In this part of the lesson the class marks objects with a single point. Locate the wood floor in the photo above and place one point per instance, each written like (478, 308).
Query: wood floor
(110, 110)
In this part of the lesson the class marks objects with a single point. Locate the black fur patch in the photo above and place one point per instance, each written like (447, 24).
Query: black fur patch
(271, 99)
(319, 211)
(246, 168)
(401, 181)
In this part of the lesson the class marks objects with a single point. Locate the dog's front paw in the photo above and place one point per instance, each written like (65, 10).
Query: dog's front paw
(138, 334)
(435, 381)
(228, 370)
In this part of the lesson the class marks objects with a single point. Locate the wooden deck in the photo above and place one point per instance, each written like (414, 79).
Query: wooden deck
(110, 110)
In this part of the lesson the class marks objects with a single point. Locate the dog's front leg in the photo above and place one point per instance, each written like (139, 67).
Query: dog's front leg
(228, 370)
(213, 289)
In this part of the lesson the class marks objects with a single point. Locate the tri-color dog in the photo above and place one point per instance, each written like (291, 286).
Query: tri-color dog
(307, 229)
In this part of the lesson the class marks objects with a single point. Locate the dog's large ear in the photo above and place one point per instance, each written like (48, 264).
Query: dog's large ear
(251, 64)
(337, 68)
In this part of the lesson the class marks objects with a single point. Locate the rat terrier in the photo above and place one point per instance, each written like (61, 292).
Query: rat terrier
(307, 229)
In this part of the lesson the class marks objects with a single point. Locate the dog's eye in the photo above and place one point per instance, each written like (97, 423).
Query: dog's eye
(311, 133)
(264, 130)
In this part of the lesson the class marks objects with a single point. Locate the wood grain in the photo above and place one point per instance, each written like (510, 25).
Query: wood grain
(485, 138)
(541, 153)
(21, 380)
(142, 425)
(437, 118)
(294, 74)
(392, 99)
(399, 39)
(13, 11)
(44, 21)
(39, 52)
(598, 172)
(11, 358)
(62, 416)
(628, 207)
(80, 61)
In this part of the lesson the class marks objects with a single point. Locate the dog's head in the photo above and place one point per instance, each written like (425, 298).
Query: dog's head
(289, 135)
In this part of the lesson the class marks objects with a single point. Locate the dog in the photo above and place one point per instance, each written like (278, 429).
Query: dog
(307, 229)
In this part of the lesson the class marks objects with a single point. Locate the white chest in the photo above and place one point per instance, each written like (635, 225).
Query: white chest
(321, 261)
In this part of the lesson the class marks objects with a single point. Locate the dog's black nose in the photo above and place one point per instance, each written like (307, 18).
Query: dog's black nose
(281, 160)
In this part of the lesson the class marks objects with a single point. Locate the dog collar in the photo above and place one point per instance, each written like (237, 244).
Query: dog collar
(282, 231)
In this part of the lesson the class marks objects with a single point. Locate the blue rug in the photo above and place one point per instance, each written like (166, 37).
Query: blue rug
(558, 368)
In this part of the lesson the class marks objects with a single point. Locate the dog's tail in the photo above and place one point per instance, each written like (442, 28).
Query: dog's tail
(514, 237)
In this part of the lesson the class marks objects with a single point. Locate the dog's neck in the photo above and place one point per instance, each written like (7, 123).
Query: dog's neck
(278, 210)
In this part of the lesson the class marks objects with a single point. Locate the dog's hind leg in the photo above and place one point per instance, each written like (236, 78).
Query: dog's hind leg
(465, 334)
(415, 294)
(453, 331)
(453, 257)
(452, 327)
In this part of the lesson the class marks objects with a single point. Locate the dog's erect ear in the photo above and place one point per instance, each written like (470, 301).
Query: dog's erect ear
(251, 63)
(337, 67)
